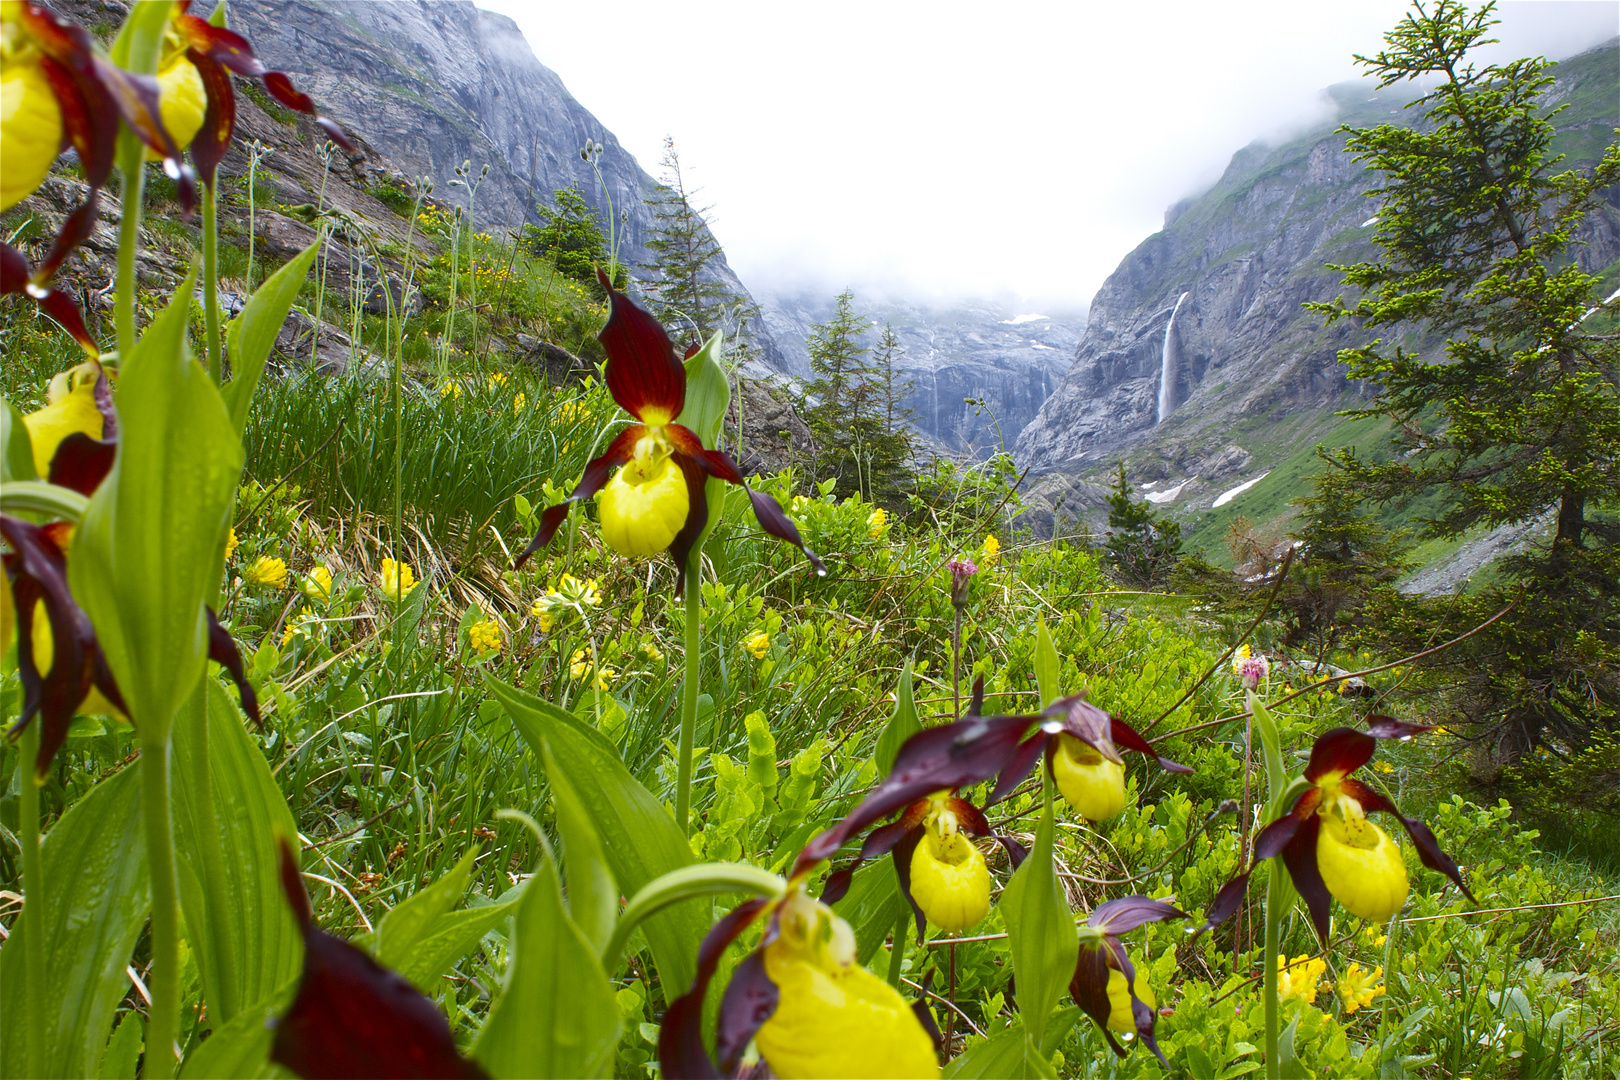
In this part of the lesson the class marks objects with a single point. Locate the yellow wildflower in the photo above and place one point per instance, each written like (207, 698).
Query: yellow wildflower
(518, 402)
(230, 544)
(757, 644)
(991, 551)
(580, 665)
(302, 626)
(1300, 978)
(484, 636)
(395, 580)
(1358, 988)
(318, 585)
(542, 612)
(877, 523)
(497, 380)
(651, 652)
(267, 570)
(450, 389)
(1384, 767)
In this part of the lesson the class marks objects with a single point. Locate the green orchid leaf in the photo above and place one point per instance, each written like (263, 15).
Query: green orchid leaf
(455, 934)
(593, 898)
(148, 552)
(638, 837)
(251, 335)
(96, 898)
(240, 1050)
(902, 725)
(708, 392)
(39, 498)
(402, 929)
(225, 818)
(1040, 929)
(1048, 668)
(1009, 1054)
(557, 1016)
(704, 879)
(872, 906)
(16, 450)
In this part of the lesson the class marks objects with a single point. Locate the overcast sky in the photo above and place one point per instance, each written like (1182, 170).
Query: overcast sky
(950, 149)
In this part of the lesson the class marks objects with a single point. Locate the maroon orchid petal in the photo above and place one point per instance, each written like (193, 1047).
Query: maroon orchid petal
(75, 231)
(767, 510)
(976, 701)
(925, 1016)
(1387, 727)
(13, 271)
(1141, 1014)
(1280, 833)
(60, 306)
(681, 1053)
(774, 520)
(1300, 858)
(353, 1017)
(1016, 852)
(136, 97)
(750, 1000)
(968, 817)
(15, 279)
(89, 117)
(1089, 988)
(221, 45)
(902, 856)
(39, 575)
(949, 756)
(619, 451)
(222, 650)
(1226, 903)
(697, 517)
(878, 843)
(1128, 912)
(1338, 753)
(82, 463)
(1022, 761)
(642, 372)
(1087, 723)
(1126, 736)
(213, 139)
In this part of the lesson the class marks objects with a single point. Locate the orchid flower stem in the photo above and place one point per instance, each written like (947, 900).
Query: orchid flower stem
(210, 237)
(956, 665)
(163, 1025)
(33, 888)
(897, 955)
(129, 226)
(689, 696)
(1275, 894)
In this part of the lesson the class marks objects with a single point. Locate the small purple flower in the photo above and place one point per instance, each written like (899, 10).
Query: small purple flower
(962, 571)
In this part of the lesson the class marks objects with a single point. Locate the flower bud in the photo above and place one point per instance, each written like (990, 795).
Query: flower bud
(962, 571)
(1092, 784)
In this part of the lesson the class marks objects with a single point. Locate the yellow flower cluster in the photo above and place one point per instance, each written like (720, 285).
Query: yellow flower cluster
(318, 585)
(758, 644)
(1358, 988)
(651, 652)
(990, 552)
(450, 389)
(395, 580)
(570, 593)
(266, 571)
(484, 636)
(573, 411)
(1300, 979)
(877, 523)
(230, 543)
(580, 665)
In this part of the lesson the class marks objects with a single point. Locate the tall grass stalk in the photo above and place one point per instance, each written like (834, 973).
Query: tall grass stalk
(33, 884)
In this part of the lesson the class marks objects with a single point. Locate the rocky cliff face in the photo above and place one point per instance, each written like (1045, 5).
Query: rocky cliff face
(1242, 375)
(1007, 361)
(433, 83)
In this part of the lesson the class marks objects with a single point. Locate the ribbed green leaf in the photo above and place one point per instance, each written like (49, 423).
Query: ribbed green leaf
(557, 1016)
(1040, 929)
(96, 898)
(638, 837)
(404, 927)
(16, 451)
(240, 1050)
(453, 935)
(593, 898)
(251, 335)
(238, 923)
(902, 725)
(1048, 668)
(708, 391)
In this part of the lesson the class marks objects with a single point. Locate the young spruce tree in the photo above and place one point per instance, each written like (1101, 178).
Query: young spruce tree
(1520, 419)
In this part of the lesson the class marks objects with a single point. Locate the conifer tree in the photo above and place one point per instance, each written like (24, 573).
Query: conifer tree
(1520, 419)
(571, 236)
(1142, 547)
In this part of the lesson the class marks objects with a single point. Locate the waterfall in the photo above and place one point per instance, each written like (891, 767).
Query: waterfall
(1167, 368)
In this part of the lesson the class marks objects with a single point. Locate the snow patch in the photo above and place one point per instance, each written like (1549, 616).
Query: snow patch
(1167, 495)
(1039, 345)
(1019, 319)
(1231, 493)
(1369, 221)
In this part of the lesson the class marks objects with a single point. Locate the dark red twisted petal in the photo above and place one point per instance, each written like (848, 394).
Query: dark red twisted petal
(213, 139)
(642, 370)
(1280, 833)
(1087, 723)
(1089, 988)
(1300, 857)
(75, 231)
(681, 1053)
(281, 88)
(136, 97)
(38, 572)
(925, 1017)
(353, 1017)
(222, 650)
(697, 516)
(1016, 852)
(619, 451)
(1387, 727)
(89, 117)
(1018, 767)
(82, 463)
(1226, 903)
(878, 843)
(13, 271)
(968, 816)
(16, 279)
(949, 756)
(976, 702)
(1128, 912)
(1126, 736)
(1339, 752)
(1423, 838)
(1143, 1016)
(902, 855)
(750, 1000)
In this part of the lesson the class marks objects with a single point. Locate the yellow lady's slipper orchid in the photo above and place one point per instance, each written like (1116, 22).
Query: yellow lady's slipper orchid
(645, 505)
(1120, 1017)
(70, 406)
(1092, 784)
(1360, 864)
(950, 880)
(834, 1018)
(30, 119)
